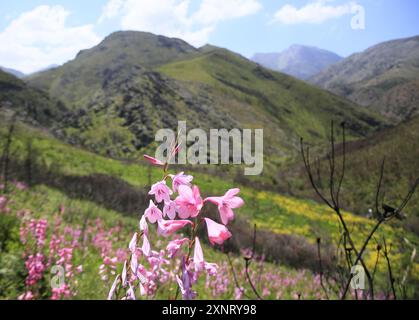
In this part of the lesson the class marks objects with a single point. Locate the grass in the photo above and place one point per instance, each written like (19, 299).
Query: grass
(45, 202)
(270, 211)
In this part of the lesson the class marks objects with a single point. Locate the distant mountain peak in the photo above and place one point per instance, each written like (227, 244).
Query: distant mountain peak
(384, 77)
(298, 60)
(145, 48)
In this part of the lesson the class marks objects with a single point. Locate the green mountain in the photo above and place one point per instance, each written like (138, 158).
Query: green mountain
(31, 104)
(299, 61)
(384, 77)
(134, 83)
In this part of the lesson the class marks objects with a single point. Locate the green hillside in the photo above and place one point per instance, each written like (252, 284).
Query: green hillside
(383, 77)
(399, 146)
(66, 176)
(33, 105)
(134, 83)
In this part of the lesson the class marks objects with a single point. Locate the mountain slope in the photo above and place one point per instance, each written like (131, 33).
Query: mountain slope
(384, 77)
(399, 146)
(299, 61)
(110, 189)
(294, 106)
(30, 104)
(13, 72)
(134, 83)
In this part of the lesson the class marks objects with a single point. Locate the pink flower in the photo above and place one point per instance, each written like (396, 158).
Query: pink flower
(124, 275)
(176, 150)
(189, 202)
(146, 246)
(169, 209)
(167, 227)
(226, 203)
(198, 257)
(21, 186)
(130, 293)
(161, 191)
(217, 233)
(113, 288)
(134, 263)
(26, 296)
(153, 161)
(3, 204)
(153, 213)
(179, 180)
(238, 293)
(143, 224)
(79, 269)
(174, 246)
(211, 268)
(133, 243)
(185, 284)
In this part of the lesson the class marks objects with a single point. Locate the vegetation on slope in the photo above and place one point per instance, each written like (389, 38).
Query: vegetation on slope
(398, 146)
(273, 213)
(383, 77)
(33, 105)
(133, 84)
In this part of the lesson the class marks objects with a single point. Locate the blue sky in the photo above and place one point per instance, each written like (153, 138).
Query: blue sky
(37, 33)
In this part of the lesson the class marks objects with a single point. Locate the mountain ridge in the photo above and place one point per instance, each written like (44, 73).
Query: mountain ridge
(298, 60)
(134, 83)
(383, 77)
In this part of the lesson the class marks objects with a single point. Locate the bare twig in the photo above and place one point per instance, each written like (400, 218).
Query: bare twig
(235, 278)
(386, 252)
(321, 268)
(333, 204)
(248, 260)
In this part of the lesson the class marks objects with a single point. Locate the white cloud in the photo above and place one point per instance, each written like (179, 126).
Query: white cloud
(40, 37)
(173, 17)
(314, 12)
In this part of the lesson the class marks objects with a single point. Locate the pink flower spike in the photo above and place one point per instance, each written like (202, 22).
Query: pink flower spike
(161, 191)
(169, 209)
(198, 256)
(153, 161)
(167, 227)
(217, 233)
(189, 202)
(174, 246)
(153, 213)
(226, 203)
(180, 179)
